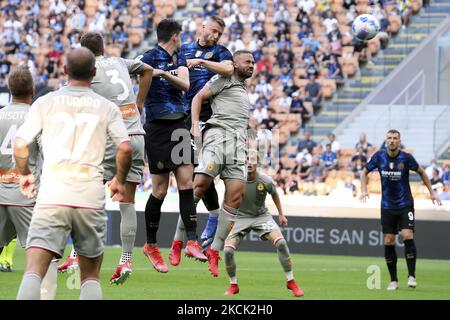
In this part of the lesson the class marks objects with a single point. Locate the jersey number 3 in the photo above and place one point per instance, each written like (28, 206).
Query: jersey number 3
(114, 74)
(67, 134)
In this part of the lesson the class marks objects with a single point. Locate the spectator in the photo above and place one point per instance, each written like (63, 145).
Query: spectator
(334, 69)
(98, 24)
(260, 113)
(270, 123)
(329, 158)
(304, 169)
(296, 104)
(363, 143)
(306, 143)
(307, 6)
(264, 87)
(443, 191)
(350, 185)
(330, 22)
(284, 102)
(285, 75)
(290, 88)
(335, 146)
(446, 174)
(356, 167)
(293, 183)
(252, 94)
(314, 92)
(360, 155)
(318, 172)
(311, 44)
(304, 154)
(435, 178)
(433, 165)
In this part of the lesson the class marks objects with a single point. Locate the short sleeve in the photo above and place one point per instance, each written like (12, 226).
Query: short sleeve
(134, 66)
(373, 162)
(271, 187)
(181, 59)
(116, 128)
(412, 163)
(225, 55)
(33, 123)
(216, 84)
(146, 58)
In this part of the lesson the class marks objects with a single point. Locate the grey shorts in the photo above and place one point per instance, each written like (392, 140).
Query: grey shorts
(51, 225)
(137, 164)
(14, 221)
(262, 225)
(223, 154)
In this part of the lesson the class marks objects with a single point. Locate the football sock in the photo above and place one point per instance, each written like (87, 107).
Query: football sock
(225, 219)
(91, 290)
(126, 256)
(50, 282)
(30, 287)
(411, 256)
(73, 253)
(10, 249)
(128, 226)
(180, 231)
(152, 217)
(391, 261)
(211, 199)
(283, 255)
(188, 213)
(230, 264)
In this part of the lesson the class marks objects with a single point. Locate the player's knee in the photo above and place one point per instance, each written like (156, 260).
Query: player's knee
(281, 245)
(228, 251)
(159, 193)
(389, 240)
(185, 184)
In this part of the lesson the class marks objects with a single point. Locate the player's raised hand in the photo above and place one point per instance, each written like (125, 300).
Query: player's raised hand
(364, 196)
(27, 185)
(283, 220)
(117, 190)
(191, 63)
(435, 198)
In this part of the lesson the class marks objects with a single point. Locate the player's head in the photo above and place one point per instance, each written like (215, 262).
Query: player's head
(393, 140)
(243, 63)
(20, 83)
(94, 42)
(213, 28)
(253, 159)
(80, 65)
(169, 30)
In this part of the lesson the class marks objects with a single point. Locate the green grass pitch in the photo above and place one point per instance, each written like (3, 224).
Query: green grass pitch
(260, 277)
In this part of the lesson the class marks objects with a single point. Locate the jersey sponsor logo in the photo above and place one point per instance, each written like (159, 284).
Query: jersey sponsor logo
(9, 176)
(391, 175)
(208, 55)
(128, 110)
(198, 54)
(71, 172)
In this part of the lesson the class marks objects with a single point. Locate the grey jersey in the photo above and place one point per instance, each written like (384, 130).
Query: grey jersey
(230, 104)
(11, 118)
(74, 123)
(254, 202)
(112, 81)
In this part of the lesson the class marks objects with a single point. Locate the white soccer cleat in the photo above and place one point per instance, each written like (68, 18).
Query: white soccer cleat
(412, 283)
(393, 286)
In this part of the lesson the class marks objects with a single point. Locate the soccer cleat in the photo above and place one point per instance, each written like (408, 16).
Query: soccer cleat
(210, 229)
(193, 250)
(69, 265)
(153, 254)
(123, 272)
(175, 252)
(412, 283)
(213, 261)
(232, 289)
(393, 286)
(292, 285)
(5, 268)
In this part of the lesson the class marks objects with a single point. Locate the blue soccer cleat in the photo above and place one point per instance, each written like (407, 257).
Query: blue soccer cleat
(210, 230)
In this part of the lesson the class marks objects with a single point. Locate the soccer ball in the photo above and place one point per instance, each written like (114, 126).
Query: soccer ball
(365, 27)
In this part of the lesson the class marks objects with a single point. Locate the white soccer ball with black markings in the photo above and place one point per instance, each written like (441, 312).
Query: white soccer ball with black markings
(365, 27)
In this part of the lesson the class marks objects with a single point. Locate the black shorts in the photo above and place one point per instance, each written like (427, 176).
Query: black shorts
(395, 220)
(164, 151)
(360, 46)
(205, 115)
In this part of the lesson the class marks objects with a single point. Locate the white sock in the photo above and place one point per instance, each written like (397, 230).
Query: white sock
(126, 256)
(289, 275)
(91, 290)
(233, 280)
(73, 253)
(50, 282)
(214, 213)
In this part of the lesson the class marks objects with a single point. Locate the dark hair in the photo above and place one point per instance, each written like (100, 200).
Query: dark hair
(218, 20)
(20, 82)
(239, 52)
(166, 29)
(93, 41)
(80, 64)
(394, 131)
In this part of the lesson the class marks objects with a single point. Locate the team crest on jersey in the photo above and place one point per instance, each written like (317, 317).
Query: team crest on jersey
(260, 186)
(208, 55)
(401, 165)
(391, 165)
(198, 54)
(160, 165)
(175, 59)
(210, 166)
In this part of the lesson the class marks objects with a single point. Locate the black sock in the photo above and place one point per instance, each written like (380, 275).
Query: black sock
(152, 217)
(188, 213)
(391, 261)
(210, 198)
(410, 255)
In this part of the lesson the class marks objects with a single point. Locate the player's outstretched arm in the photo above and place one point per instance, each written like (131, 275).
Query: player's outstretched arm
(433, 195)
(281, 217)
(224, 68)
(145, 81)
(364, 193)
(181, 81)
(203, 95)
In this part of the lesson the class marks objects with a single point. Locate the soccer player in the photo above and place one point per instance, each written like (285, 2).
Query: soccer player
(167, 141)
(74, 123)
(205, 58)
(223, 151)
(253, 215)
(7, 256)
(16, 209)
(397, 203)
(112, 81)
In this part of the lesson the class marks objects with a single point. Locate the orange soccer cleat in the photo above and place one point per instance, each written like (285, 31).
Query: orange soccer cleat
(175, 252)
(69, 265)
(213, 261)
(193, 250)
(153, 254)
(232, 289)
(292, 285)
(123, 272)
